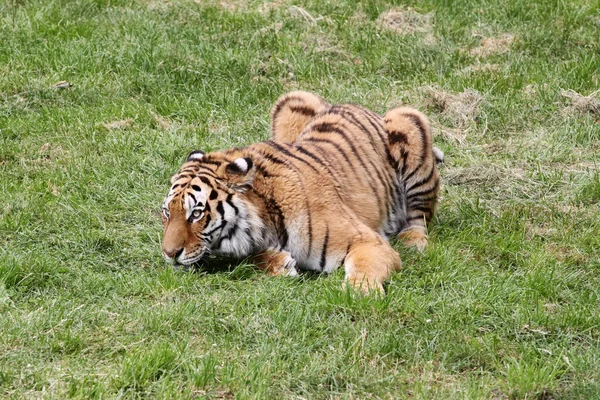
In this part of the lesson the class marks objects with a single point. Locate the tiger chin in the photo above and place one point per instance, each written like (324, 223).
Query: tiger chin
(331, 187)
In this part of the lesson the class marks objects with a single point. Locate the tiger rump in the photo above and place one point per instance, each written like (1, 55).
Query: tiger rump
(326, 190)
(293, 112)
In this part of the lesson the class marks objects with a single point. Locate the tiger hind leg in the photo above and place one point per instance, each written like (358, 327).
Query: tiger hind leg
(369, 263)
(410, 145)
(292, 113)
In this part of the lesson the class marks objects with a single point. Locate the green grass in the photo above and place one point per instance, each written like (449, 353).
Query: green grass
(504, 304)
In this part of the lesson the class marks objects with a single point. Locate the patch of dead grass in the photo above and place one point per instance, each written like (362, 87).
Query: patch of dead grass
(301, 14)
(493, 45)
(580, 104)
(460, 108)
(477, 175)
(457, 136)
(120, 124)
(162, 122)
(49, 152)
(480, 68)
(53, 189)
(408, 21)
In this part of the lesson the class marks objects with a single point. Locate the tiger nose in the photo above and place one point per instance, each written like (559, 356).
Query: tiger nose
(173, 253)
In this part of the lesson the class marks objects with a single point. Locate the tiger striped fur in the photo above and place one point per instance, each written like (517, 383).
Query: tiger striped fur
(331, 187)
(410, 145)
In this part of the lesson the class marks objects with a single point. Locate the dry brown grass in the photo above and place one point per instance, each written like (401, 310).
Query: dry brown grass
(483, 174)
(408, 21)
(480, 68)
(162, 122)
(493, 45)
(460, 108)
(580, 104)
(119, 124)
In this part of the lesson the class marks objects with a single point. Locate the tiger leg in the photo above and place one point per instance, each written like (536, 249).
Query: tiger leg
(410, 145)
(276, 263)
(369, 263)
(292, 113)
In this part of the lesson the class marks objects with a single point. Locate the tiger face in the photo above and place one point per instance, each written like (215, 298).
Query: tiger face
(205, 212)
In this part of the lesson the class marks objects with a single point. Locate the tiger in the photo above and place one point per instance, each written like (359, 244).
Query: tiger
(332, 186)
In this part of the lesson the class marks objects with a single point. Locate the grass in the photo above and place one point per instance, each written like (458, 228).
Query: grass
(504, 304)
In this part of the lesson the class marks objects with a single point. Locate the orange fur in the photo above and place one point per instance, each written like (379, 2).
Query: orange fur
(331, 187)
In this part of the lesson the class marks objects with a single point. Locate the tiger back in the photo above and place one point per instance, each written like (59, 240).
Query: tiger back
(409, 147)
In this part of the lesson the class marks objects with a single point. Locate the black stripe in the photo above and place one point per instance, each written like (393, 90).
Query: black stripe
(304, 110)
(382, 144)
(193, 197)
(272, 158)
(347, 250)
(279, 106)
(419, 182)
(230, 234)
(282, 149)
(213, 194)
(424, 142)
(276, 217)
(211, 162)
(311, 155)
(426, 191)
(336, 146)
(324, 251)
(181, 176)
(371, 116)
(416, 121)
(205, 180)
(221, 210)
(328, 154)
(325, 127)
(211, 172)
(230, 203)
(324, 164)
(422, 208)
(283, 231)
(397, 137)
(376, 122)
(351, 118)
(221, 226)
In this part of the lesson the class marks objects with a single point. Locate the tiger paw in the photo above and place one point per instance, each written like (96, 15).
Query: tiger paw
(416, 239)
(276, 263)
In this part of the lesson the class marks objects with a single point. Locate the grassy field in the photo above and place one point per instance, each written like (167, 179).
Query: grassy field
(504, 303)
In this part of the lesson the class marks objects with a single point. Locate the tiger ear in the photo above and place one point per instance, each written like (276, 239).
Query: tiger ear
(195, 155)
(240, 174)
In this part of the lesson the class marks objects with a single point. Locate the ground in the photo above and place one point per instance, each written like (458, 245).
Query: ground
(100, 102)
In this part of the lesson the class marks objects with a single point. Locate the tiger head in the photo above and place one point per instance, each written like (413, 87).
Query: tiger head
(206, 211)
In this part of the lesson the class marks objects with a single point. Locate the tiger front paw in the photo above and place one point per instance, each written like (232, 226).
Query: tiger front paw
(276, 263)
